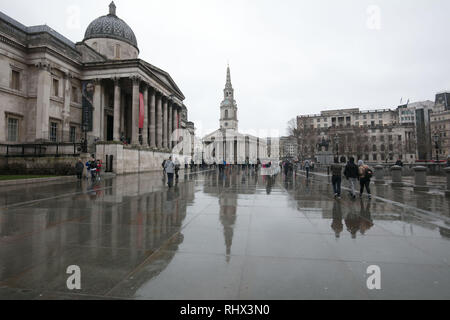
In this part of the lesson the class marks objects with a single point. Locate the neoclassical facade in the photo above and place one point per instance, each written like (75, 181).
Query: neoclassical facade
(227, 143)
(54, 90)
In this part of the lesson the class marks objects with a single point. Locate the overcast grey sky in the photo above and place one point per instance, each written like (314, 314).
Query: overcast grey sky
(287, 57)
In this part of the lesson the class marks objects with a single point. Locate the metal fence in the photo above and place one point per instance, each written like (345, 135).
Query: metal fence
(41, 150)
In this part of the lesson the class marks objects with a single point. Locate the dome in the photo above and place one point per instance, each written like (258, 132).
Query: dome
(111, 26)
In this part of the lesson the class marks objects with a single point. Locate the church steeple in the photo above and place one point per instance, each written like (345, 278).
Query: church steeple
(228, 113)
(229, 91)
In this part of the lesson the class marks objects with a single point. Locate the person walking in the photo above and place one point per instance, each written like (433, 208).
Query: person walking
(307, 168)
(448, 161)
(79, 168)
(169, 168)
(177, 170)
(365, 175)
(351, 173)
(336, 172)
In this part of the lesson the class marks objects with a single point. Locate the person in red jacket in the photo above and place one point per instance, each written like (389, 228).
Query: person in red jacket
(99, 168)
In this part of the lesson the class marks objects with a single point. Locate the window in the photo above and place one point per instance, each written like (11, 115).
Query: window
(380, 122)
(13, 130)
(226, 114)
(391, 138)
(380, 116)
(73, 131)
(53, 131)
(374, 148)
(382, 138)
(399, 138)
(383, 157)
(117, 51)
(55, 88)
(383, 148)
(365, 117)
(372, 116)
(375, 157)
(374, 139)
(15, 80)
(357, 123)
(372, 123)
(75, 94)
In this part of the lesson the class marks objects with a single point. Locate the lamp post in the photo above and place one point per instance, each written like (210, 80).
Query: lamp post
(436, 144)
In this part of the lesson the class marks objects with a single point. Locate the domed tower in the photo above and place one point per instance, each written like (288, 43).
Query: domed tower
(228, 108)
(112, 37)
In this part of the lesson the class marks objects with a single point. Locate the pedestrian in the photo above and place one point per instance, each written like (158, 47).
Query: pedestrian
(365, 175)
(169, 168)
(399, 163)
(448, 161)
(99, 169)
(93, 169)
(351, 173)
(79, 168)
(336, 171)
(177, 170)
(307, 168)
(164, 167)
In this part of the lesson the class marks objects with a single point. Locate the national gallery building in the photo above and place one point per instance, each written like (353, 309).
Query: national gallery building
(98, 90)
(54, 90)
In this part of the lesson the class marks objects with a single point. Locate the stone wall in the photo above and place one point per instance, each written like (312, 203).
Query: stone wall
(129, 160)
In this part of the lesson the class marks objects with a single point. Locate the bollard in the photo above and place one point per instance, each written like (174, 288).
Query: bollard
(420, 179)
(379, 174)
(396, 177)
(447, 192)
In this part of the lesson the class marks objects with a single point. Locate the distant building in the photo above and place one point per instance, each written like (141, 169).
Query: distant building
(440, 126)
(288, 147)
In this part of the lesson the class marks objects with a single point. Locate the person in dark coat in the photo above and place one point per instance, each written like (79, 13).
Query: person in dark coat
(79, 168)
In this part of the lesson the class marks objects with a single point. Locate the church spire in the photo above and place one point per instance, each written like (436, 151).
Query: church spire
(228, 85)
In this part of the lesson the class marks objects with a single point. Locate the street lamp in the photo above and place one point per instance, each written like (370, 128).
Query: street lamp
(436, 144)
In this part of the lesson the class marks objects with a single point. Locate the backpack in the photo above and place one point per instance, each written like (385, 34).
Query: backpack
(368, 173)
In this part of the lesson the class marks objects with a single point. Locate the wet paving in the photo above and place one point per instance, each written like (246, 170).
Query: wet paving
(232, 236)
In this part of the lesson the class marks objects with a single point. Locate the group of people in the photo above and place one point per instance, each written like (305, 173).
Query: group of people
(93, 169)
(353, 173)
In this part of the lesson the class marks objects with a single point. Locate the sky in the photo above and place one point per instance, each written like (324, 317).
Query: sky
(287, 57)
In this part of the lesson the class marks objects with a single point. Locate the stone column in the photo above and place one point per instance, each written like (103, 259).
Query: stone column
(97, 116)
(66, 111)
(145, 129)
(159, 121)
(117, 113)
(43, 101)
(165, 123)
(379, 174)
(152, 99)
(447, 171)
(174, 122)
(135, 111)
(170, 124)
(420, 179)
(396, 176)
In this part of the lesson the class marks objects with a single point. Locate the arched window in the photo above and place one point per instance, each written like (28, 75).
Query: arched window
(226, 114)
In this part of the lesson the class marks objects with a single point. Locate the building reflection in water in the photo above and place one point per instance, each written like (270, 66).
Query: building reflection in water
(130, 213)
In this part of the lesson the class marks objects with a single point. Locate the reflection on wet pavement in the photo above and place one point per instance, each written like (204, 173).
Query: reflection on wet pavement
(221, 236)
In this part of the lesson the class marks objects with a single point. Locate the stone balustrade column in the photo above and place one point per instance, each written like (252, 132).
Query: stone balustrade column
(379, 174)
(165, 124)
(145, 129)
(447, 171)
(159, 120)
(117, 99)
(44, 84)
(170, 124)
(152, 99)
(396, 176)
(135, 111)
(174, 122)
(420, 179)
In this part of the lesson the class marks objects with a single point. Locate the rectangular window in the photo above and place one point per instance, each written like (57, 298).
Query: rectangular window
(13, 130)
(73, 132)
(375, 157)
(357, 123)
(15, 80)
(55, 88)
(53, 132)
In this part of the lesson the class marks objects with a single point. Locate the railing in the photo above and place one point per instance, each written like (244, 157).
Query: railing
(46, 149)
